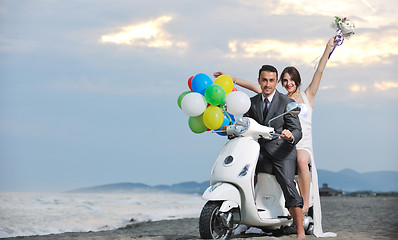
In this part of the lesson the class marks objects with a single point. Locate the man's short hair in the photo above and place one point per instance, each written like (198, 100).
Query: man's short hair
(268, 68)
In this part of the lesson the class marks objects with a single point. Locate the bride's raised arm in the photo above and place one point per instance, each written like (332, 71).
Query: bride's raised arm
(241, 82)
(312, 89)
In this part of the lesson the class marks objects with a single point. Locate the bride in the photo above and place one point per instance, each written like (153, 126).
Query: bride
(291, 81)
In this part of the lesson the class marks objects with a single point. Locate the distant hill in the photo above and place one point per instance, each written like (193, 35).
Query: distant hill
(115, 187)
(185, 187)
(346, 180)
(349, 180)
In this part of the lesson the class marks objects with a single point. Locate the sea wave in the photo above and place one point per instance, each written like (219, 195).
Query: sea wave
(26, 214)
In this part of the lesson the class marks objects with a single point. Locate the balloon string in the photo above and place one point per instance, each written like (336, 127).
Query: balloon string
(226, 113)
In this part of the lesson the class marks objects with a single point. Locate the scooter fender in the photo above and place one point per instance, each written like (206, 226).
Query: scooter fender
(225, 192)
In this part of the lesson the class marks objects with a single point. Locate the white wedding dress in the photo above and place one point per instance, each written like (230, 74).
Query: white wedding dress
(305, 143)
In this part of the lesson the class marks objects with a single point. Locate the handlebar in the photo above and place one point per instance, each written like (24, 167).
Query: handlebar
(277, 135)
(224, 130)
(247, 127)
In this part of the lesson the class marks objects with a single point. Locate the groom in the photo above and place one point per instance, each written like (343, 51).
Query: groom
(278, 156)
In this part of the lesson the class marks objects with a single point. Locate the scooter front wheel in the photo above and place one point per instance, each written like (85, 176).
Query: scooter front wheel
(212, 222)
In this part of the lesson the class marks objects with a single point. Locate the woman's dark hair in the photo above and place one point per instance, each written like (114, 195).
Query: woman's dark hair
(268, 68)
(294, 74)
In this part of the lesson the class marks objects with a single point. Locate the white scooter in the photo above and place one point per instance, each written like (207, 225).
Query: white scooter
(233, 199)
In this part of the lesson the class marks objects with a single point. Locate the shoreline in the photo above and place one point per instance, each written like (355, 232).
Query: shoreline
(349, 218)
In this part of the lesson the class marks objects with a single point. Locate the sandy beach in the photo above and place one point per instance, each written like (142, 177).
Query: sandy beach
(349, 217)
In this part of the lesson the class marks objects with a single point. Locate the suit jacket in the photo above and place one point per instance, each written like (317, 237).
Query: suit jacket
(278, 148)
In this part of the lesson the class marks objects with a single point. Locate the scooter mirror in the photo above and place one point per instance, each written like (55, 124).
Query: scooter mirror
(293, 108)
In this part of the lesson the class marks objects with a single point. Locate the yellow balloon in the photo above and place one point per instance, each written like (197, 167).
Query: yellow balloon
(226, 82)
(213, 117)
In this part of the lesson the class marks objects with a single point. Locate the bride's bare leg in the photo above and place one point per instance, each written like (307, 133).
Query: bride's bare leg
(304, 177)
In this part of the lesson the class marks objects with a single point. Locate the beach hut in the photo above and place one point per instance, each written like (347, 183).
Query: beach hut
(326, 191)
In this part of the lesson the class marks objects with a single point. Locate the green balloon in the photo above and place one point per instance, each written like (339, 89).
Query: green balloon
(196, 124)
(182, 95)
(215, 95)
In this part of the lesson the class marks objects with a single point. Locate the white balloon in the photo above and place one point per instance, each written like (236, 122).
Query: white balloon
(238, 103)
(193, 104)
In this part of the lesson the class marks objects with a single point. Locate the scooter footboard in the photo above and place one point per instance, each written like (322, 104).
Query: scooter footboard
(223, 192)
(269, 197)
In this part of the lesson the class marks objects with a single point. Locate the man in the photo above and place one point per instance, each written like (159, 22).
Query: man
(278, 156)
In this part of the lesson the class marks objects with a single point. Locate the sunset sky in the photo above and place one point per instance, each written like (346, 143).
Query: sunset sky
(89, 88)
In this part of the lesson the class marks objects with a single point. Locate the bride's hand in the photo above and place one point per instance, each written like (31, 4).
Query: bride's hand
(331, 42)
(217, 74)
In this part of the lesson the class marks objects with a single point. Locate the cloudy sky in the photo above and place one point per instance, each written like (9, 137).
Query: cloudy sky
(88, 89)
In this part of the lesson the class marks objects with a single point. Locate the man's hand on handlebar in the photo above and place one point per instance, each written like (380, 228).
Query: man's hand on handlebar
(287, 135)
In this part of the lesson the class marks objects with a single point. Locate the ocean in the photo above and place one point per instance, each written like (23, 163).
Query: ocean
(26, 214)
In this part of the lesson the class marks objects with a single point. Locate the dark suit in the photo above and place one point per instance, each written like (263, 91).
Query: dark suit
(278, 156)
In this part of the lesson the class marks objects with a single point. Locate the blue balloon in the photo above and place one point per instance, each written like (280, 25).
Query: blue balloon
(200, 82)
(227, 121)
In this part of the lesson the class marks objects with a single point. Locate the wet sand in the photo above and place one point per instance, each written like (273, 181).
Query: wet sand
(349, 217)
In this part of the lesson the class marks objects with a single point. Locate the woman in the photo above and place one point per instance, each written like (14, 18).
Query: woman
(291, 81)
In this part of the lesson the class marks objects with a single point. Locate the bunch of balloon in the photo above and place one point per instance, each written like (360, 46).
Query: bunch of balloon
(211, 106)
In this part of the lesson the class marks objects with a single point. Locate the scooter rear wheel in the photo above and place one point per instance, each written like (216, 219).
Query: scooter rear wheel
(211, 225)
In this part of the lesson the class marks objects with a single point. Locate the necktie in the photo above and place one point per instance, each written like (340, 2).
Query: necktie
(265, 108)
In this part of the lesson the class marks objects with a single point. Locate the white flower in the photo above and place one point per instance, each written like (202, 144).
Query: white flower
(347, 28)
(344, 25)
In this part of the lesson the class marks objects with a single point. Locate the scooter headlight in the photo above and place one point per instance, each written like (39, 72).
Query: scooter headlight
(242, 125)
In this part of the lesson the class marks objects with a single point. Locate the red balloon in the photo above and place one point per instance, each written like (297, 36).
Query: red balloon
(234, 89)
(190, 82)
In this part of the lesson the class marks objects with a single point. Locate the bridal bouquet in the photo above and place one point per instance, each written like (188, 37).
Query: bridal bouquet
(345, 28)
(344, 25)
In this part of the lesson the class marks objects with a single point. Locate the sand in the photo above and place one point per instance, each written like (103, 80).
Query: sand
(349, 217)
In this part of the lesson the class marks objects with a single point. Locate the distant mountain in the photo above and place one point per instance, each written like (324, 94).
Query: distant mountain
(346, 180)
(349, 180)
(185, 187)
(116, 187)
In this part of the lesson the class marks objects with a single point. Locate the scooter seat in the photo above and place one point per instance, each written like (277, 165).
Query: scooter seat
(264, 165)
